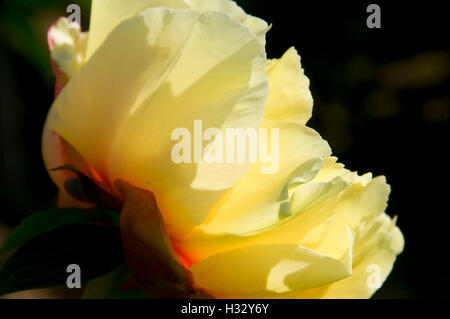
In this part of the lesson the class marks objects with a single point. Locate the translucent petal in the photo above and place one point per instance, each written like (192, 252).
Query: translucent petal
(289, 96)
(119, 113)
(254, 202)
(107, 14)
(376, 248)
(311, 216)
(67, 46)
(358, 202)
(266, 271)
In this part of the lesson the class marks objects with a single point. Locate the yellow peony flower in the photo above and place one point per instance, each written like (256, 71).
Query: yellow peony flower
(312, 229)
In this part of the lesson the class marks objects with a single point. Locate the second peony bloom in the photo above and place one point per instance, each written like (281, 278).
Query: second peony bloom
(310, 229)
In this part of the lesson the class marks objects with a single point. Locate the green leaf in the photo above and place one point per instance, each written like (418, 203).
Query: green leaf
(43, 260)
(54, 218)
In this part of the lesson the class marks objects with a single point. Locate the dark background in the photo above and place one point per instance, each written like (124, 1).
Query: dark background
(381, 101)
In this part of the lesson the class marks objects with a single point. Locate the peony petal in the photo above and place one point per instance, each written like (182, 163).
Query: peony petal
(119, 113)
(266, 271)
(106, 15)
(375, 251)
(254, 202)
(258, 26)
(289, 96)
(67, 46)
(297, 229)
(378, 241)
(310, 219)
(358, 202)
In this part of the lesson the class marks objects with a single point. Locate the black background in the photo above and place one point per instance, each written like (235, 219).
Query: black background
(381, 101)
